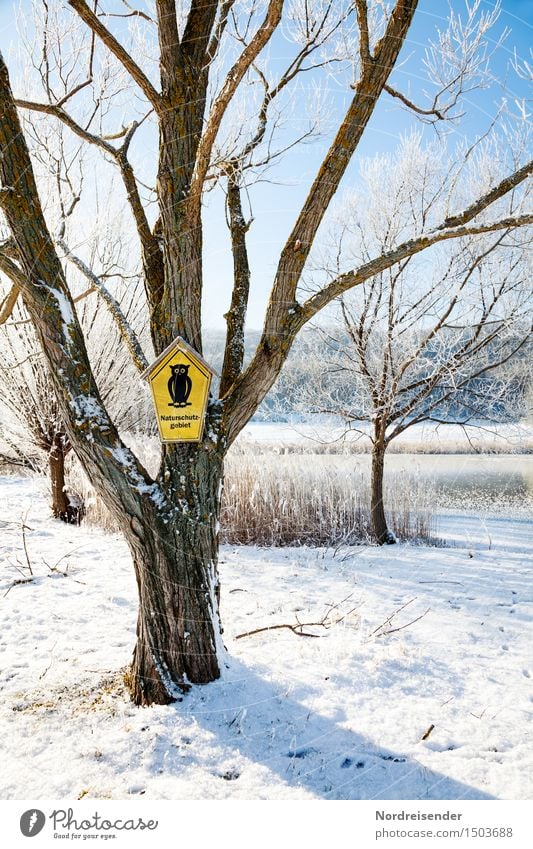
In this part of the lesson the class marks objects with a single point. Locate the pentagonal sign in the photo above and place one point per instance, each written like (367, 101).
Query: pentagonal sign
(180, 381)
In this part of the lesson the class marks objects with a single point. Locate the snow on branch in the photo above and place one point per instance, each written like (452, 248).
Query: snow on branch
(124, 328)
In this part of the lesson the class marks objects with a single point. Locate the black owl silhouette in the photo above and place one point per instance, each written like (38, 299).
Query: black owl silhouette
(179, 386)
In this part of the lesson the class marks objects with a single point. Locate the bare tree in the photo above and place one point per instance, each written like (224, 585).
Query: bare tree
(440, 359)
(32, 425)
(206, 55)
(421, 342)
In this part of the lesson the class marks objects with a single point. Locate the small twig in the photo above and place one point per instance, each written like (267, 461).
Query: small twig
(326, 622)
(17, 567)
(480, 716)
(293, 628)
(391, 617)
(412, 622)
(68, 553)
(55, 571)
(41, 676)
(17, 582)
(24, 528)
(426, 733)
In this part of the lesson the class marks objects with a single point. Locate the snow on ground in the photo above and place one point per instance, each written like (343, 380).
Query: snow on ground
(340, 717)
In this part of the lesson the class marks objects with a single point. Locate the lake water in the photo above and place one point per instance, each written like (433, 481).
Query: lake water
(485, 483)
(469, 481)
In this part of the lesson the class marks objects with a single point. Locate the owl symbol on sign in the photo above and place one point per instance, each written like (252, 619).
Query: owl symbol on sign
(179, 386)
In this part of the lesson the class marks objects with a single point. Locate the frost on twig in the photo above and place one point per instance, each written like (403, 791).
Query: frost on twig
(32, 576)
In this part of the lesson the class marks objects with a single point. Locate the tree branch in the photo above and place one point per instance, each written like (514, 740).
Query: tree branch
(236, 316)
(222, 101)
(214, 44)
(11, 270)
(327, 621)
(8, 304)
(151, 252)
(364, 40)
(120, 476)
(409, 103)
(332, 169)
(58, 112)
(124, 328)
(198, 30)
(354, 278)
(169, 46)
(503, 188)
(95, 24)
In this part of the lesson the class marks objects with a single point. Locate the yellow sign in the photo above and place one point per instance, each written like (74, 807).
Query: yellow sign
(180, 381)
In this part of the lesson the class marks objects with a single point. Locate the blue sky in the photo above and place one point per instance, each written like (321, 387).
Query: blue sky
(275, 206)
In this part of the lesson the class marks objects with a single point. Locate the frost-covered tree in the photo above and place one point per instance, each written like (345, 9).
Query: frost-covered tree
(436, 337)
(197, 71)
(32, 426)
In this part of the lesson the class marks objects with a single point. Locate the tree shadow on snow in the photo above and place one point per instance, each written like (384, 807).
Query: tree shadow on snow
(258, 724)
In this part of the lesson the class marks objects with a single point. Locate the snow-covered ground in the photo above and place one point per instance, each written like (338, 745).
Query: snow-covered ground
(339, 717)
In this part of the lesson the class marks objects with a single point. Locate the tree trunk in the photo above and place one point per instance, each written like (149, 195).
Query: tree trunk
(175, 556)
(62, 508)
(379, 522)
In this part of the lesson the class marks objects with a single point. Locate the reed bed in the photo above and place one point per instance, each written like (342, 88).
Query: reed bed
(314, 501)
(296, 500)
(353, 446)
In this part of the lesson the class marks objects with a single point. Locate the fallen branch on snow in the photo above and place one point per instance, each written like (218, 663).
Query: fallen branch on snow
(326, 622)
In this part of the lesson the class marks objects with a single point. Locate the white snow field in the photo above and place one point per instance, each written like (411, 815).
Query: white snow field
(340, 716)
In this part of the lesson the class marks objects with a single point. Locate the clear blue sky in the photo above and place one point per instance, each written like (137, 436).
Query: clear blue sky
(275, 206)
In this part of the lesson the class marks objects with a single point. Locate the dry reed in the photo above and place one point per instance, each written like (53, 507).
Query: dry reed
(296, 500)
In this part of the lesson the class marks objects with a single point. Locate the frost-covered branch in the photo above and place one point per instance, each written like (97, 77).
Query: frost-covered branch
(49, 304)
(124, 328)
(125, 59)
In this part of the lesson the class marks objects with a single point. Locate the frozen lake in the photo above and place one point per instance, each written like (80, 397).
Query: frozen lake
(474, 481)
(494, 483)
(451, 477)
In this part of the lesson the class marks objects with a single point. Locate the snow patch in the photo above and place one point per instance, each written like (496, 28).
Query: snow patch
(125, 458)
(88, 411)
(65, 308)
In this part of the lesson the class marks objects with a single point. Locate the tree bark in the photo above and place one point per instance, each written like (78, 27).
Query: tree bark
(236, 315)
(380, 529)
(61, 506)
(175, 560)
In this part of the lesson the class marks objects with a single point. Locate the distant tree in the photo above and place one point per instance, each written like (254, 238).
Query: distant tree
(32, 425)
(208, 60)
(437, 341)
